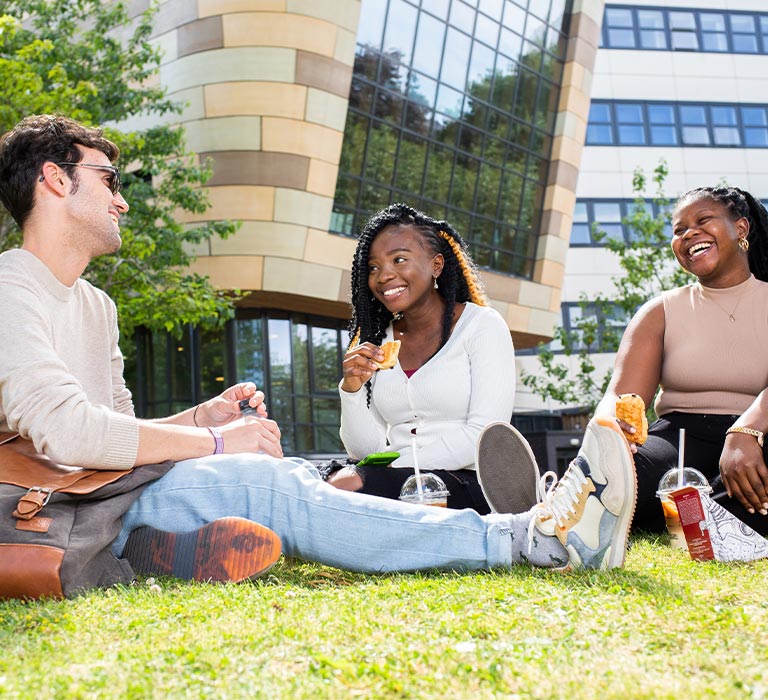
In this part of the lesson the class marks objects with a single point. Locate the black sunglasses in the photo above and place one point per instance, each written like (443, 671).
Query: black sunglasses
(114, 179)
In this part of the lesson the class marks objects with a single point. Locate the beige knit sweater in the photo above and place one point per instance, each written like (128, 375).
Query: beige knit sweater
(712, 364)
(61, 371)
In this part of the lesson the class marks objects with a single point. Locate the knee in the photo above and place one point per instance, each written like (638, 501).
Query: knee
(346, 479)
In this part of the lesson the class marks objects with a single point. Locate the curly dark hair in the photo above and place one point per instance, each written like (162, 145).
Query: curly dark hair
(34, 141)
(740, 203)
(458, 282)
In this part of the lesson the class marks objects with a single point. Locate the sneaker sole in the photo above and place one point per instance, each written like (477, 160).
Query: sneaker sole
(621, 536)
(228, 549)
(506, 469)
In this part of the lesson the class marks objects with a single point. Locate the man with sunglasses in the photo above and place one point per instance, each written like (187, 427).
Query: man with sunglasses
(62, 386)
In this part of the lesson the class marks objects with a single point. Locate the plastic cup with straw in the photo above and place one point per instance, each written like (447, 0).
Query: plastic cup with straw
(675, 479)
(425, 489)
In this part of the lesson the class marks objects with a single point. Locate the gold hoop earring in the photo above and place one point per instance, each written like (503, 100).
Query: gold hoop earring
(744, 244)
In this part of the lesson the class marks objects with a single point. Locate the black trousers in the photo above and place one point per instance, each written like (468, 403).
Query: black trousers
(464, 488)
(704, 440)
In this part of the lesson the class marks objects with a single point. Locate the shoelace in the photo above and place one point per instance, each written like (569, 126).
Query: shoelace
(558, 497)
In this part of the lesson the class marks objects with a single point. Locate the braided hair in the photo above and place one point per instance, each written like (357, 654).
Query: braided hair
(458, 282)
(740, 203)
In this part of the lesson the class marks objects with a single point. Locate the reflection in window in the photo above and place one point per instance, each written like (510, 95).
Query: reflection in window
(454, 113)
(596, 220)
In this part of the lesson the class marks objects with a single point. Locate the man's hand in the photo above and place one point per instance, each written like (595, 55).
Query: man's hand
(744, 473)
(225, 408)
(251, 434)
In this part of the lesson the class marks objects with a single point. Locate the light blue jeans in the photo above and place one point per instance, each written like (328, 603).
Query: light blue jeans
(318, 522)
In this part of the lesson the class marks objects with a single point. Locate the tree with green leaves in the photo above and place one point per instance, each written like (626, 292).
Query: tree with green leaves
(88, 60)
(648, 267)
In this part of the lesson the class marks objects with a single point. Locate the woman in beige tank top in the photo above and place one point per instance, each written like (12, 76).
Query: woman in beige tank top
(705, 348)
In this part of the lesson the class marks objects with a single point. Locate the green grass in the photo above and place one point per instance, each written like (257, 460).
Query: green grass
(663, 627)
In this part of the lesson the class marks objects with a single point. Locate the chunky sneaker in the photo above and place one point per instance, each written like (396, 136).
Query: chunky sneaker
(590, 509)
(228, 549)
(506, 469)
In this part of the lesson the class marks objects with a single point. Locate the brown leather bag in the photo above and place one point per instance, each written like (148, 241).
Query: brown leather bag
(57, 523)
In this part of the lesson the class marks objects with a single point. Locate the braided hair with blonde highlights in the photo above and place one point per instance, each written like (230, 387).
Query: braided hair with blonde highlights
(741, 203)
(458, 282)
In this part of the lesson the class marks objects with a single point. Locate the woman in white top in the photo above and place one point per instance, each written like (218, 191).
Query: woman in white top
(413, 281)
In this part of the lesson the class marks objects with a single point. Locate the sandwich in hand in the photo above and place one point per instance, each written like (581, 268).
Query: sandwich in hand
(390, 351)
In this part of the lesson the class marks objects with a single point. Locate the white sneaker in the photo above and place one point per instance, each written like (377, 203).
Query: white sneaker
(590, 509)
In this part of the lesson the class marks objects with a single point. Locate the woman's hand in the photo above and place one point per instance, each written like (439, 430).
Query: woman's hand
(358, 366)
(225, 407)
(628, 429)
(744, 473)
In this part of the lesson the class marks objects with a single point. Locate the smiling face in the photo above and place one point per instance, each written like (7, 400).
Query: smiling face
(705, 242)
(402, 268)
(94, 208)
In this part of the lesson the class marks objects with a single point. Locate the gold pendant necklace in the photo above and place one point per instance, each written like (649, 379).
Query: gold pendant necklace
(731, 314)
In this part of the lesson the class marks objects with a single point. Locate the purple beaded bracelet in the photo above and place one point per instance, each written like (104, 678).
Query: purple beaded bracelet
(218, 439)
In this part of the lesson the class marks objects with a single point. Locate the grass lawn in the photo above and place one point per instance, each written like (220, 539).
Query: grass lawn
(663, 627)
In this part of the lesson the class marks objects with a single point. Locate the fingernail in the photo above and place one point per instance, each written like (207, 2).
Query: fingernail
(751, 511)
(765, 505)
(763, 511)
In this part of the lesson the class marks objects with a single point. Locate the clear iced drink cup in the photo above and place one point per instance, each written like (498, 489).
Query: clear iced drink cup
(671, 482)
(433, 491)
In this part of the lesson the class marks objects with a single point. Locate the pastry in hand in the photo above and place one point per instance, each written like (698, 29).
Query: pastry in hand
(390, 351)
(630, 408)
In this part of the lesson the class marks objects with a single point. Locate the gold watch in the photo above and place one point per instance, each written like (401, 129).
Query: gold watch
(746, 431)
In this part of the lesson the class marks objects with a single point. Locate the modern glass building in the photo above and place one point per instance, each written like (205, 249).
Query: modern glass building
(686, 82)
(316, 114)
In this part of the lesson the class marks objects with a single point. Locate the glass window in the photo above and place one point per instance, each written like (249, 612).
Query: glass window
(369, 32)
(621, 38)
(436, 7)
(456, 59)
(599, 112)
(462, 16)
(510, 44)
(631, 113)
(756, 137)
(693, 114)
(695, 135)
(487, 31)
(599, 134)
(629, 118)
(429, 45)
(651, 26)
(744, 33)
(724, 116)
(401, 26)
(492, 8)
(617, 17)
(580, 231)
(663, 135)
(661, 114)
(726, 136)
(754, 116)
(481, 64)
(683, 28)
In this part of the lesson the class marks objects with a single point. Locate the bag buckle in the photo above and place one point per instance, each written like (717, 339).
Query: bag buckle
(32, 502)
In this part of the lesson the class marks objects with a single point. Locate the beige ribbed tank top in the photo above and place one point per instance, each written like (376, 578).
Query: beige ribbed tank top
(713, 364)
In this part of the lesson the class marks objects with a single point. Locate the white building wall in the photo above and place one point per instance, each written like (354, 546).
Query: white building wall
(606, 171)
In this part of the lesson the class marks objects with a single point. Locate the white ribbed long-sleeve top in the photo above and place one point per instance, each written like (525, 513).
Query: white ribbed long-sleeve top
(469, 383)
